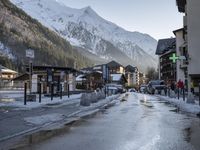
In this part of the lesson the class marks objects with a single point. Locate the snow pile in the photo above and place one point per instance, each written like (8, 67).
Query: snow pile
(190, 108)
(39, 120)
(67, 21)
(45, 102)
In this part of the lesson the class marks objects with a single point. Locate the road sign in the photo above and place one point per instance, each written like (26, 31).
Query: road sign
(174, 58)
(30, 53)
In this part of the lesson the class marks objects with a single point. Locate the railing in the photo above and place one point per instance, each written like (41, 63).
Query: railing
(183, 63)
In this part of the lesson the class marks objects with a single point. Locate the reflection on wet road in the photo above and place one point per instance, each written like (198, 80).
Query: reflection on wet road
(141, 123)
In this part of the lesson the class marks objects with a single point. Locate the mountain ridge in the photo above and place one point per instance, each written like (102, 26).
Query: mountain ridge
(85, 28)
(20, 32)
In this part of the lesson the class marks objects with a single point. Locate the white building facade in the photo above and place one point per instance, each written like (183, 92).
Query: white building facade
(191, 25)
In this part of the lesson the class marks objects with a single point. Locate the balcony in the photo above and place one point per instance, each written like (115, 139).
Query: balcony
(183, 64)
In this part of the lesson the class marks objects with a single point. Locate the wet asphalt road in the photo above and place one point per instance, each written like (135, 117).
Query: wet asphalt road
(140, 123)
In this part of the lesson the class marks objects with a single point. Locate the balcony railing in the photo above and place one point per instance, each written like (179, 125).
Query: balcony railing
(183, 64)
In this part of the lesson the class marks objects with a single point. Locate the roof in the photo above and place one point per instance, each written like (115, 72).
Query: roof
(22, 77)
(130, 68)
(98, 67)
(114, 64)
(181, 5)
(165, 45)
(80, 78)
(53, 67)
(175, 31)
(86, 70)
(6, 70)
(118, 77)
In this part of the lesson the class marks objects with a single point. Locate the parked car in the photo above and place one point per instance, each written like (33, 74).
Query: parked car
(154, 85)
(132, 90)
(143, 88)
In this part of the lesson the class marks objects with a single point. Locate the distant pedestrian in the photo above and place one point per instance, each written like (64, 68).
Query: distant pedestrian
(172, 86)
(192, 87)
(180, 85)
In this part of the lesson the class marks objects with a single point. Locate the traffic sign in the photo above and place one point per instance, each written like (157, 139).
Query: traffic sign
(30, 53)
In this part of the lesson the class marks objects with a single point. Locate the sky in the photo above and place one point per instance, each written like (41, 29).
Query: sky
(157, 18)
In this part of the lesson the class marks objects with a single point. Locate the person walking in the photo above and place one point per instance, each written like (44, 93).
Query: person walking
(180, 86)
(192, 87)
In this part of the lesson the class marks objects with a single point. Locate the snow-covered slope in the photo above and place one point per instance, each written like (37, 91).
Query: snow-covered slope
(6, 51)
(85, 28)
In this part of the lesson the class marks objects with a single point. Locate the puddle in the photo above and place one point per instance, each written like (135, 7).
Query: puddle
(174, 110)
(188, 133)
(134, 104)
(123, 100)
(53, 104)
(146, 103)
(42, 135)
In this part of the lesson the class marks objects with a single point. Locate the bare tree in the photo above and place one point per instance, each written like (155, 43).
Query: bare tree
(152, 74)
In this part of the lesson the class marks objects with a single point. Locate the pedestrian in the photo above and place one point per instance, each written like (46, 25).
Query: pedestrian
(180, 86)
(172, 86)
(192, 87)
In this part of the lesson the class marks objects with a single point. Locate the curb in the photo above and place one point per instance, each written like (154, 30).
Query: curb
(180, 108)
(52, 129)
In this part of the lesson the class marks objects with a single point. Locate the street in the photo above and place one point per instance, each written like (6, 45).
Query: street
(142, 122)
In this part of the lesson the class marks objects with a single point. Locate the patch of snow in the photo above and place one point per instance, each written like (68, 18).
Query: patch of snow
(44, 101)
(80, 78)
(75, 42)
(5, 51)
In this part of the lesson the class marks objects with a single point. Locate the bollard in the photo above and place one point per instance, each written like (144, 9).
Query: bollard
(178, 93)
(105, 91)
(68, 90)
(51, 91)
(25, 88)
(199, 94)
(60, 91)
(168, 92)
(183, 94)
(40, 92)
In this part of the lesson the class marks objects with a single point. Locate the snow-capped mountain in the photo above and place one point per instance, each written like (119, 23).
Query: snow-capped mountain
(85, 28)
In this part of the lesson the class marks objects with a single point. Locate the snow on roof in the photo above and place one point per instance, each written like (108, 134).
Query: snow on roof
(6, 70)
(165, 45)
(112, 88)
(116, 77)
(80, 78)
(99, 72)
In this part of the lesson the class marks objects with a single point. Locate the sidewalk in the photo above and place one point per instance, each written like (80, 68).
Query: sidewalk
(17, 119)
(183, 105)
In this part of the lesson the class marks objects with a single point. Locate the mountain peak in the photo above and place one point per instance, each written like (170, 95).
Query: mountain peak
(89, 11)
(85, 28)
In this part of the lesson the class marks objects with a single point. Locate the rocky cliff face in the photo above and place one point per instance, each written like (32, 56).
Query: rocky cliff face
(20, 32)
